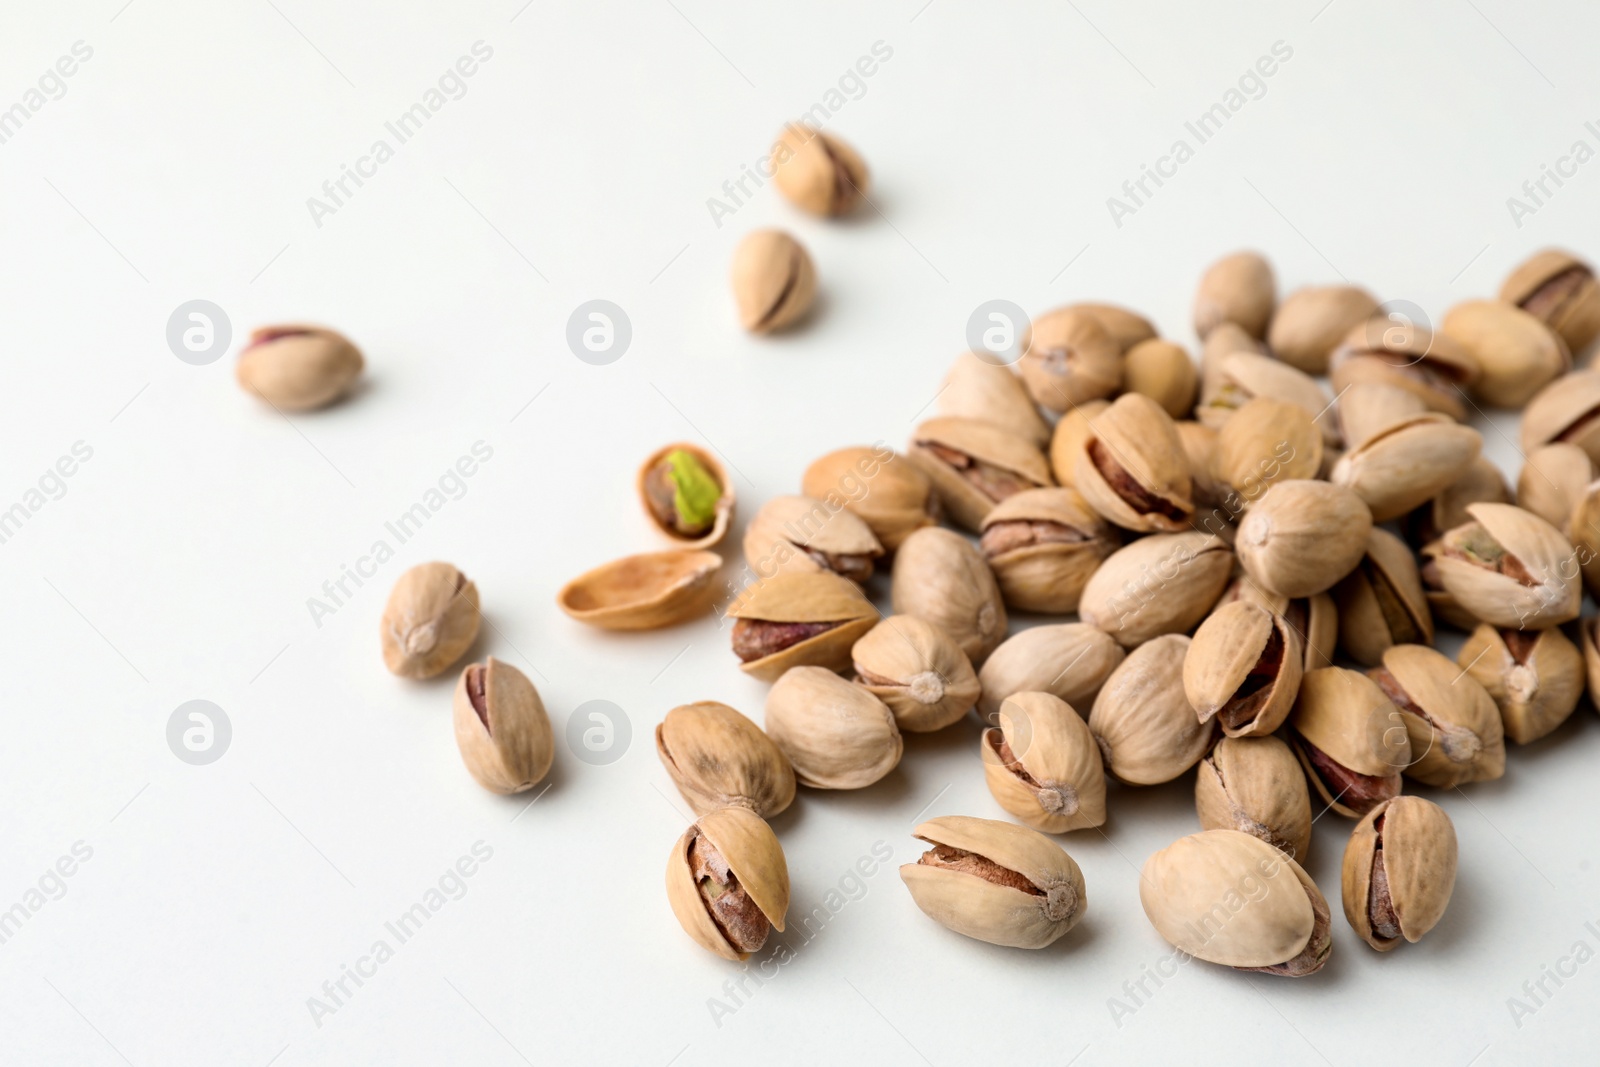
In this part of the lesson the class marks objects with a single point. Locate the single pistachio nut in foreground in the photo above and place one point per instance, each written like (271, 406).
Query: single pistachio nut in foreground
(993, 393)
(1127, 328)
(1350, 738)
(430, 621)
(803, 534)
(1243, 375)
(1382, 601)
(1255, 785)
(1407, 464)
(1315, 618)
(1266, 441)
(974, 466)
(879, 486)
(1516, 353)
(1399, 871)
(1238, 288)
(995, 882)
(1160, 584)
(818, 172)
(1069, 660)
(1146, 729)
(1043, 545)
(1164, 372)
(918, 671)
(1554, 479)
(728, 883)
(1300, 537)
(1560, 290)
(774, 281)
(798, 619)
(1481, 483)
(1454, 725)
(1566, 411)
(501, 727)
(298, 368)
(645, 591)
(1311, 322)
(1510, 568)
(686, 494)
(1243, 669)
(1132, 468)
(1230, 898)
(1067, 439)
(1535, 677)
(718, 758)
(1043, 765)
(1069, 358)
(836, 734)
(941, 578)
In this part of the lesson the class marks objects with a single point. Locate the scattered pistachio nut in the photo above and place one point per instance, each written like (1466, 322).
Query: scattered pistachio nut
(1431, 366)
(1567, 410)
(430, 621)
(1254, 785)
(1043, 544)
(1043, 765)
(798, 619)
(1146, 729)
(1516, 353)
(1300, 537)
(1480, 483)
(1067, 438)
(1164, 372)
(836, 734)
(803, 534)
(993, 393)
(728, 883)
(1238, 288)
(1069, 660)
(1560, 290)
(1160, 584)
(1132, 469)
(1127, 328)
(1264, 442)
(918, 671)
(1535, 677)
(1350, 738)
(879, 486)
(1454, 725)
(1311, 322)
(974, 466)
(1243, 669)
(1315, 618)
(1368, 408)
(645, 591)
(941, 578)
(718, 758)
(1068, 358)
(1407, 464)
(501, 728)
(1510, 568)
(1382, 602)
(818, 172)
(686, 494)
(298, 368)
(774, 281)
(1554, 479)
(1399, 871)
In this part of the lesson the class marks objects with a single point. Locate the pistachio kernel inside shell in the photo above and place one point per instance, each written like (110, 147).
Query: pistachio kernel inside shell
(1380, 905)
(1059, 901)
(996, 483)
(476, 676)
(1460, 744)
(1057, 798)
(755, 639)
(1556, 292)
(1358, 792)
(1126, 486)
(852, 565)
(743, 923)
(1402, 625)
(1253, 693)
(683, 494)
(1016, 534)
(1477, 546)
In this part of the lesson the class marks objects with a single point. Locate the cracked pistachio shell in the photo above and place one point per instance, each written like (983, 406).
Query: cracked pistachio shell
(1232, 899)
(879, 486)
(918, 671)
(1069, 357)
(1412, 843)
(1455, 730)
(1386, 350)
(1160, 584)
(1535, 677)
(996, 882)
(718, 758)
(1368, 408)
(1067, 438)
(1243, 375)
(802, 534)
(1583, 529)
(1164, 372)
(1407, 464)
(974, 466)
(1302, 536)
(836, 734)
(975, 388)
(1510, 568)
(1132, 469)
(1315, 618)
(1254, 785)
(1043, 544)
(1567, 410)
(1243, 669)
(774, 281)
(1146, 729)
(1347, 718)
(1441, 605)
(1560, 290)
(725, 501)
(501, 727)
(1069, 660)
(430, 621)
(1516, 353)
(1127, 328)
(752, 855)
(643, 592)
(1553, 480)
(1043, 766)
(1200, 445)
(820, 596)
(1238, 288)
(1382, 601)
(298, 368)
(1481, 483)
(1311, 322)
(818, 172)
(1219, 344)
(941, 578)
(1265, 441)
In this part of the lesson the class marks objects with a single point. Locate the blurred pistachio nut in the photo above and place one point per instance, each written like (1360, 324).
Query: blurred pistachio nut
(298, 368)
(1583, 529)
(1146, 729)
(1311, 322)
(430, 621)
(1069, 660)
(1243, 669)
(643, 592)
(939, 577)
(1070, 358)
(803, 535)
(1408, 464)
(1591, 658)
(1554, 479)
(818, 172)
(1127, 328)
(1399, 871)
(1132, 468)
(1568, 411)
(793, 620)
(1254, 785)
(882, 488)
(1510, 568)
(1241, 376)
(1382, 601)
(501, 728)
(1516, 353)
(1560, 290)
(1164, 372)
(836, 734)
(728, 883)
(918, 671)
(718, 758)
(1043, 544)
(1200, 446)
(1265, 441)
(1350, 738)
(1238, 288)
(1043, 766)
(974, 466)
(1431, 366)
(975, 388)
(1066, 441)
(1369, 408)
(1535, 677)
(1222, 342)
(1481, 483)
(773, 279)
(1302, 536)
(686, 494)
(1454, 725)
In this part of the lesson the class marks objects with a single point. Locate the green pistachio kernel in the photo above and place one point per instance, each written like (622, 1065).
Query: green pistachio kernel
(696, 491)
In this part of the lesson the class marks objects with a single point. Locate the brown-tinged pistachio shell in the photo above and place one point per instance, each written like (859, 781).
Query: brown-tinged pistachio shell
(1132, 468)
(1127, 328)
(1043, 544)
(1368, 408)
(974, 466)
(1311, 322)
(1161, 584)
(298, 368)
(1566, 410)
(1302, 536)
(1255, 785)
(659, 495)
(643, 592)
(1510, 568)
(1535, 677)
(718, 758)
(795, 620)
(1070, 358)
(975, 388)
(918, 671)
(995, 882)
(728, 883)
(1454, 725)
(1219, 344)
(1243, 375)
(1553, 480)
(1067, 439)
(836, 734)
(1382, 601)
(501, 727)
(881, 487)
(1043, 766)
(817, 171)
(1516, 353)
(941, 578)
(803, 534)
(1350, 738)
(1238, 288)
(430, 621)
(1560, 290)
(1408, 464)
(1142, 721)
(1481, 483)
(1243, 669)
(1431, 366)
(774, 281)
(1265, 441)
(1230, 898)
(1164, 372)
(1315, 618)
(1070, 660)
(1200, 445)
(1399, 871)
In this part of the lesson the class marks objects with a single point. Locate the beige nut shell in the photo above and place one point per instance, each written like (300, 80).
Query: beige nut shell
(1146, 730)
(725, 503)
(1048, 576)
(508, 746)
(1255, 785)
(777, 538)
(918, 670)
(1223, 657)
(430, 621)
(818, 172)
(1068, 358)
(1069, 660)
(1419, 858)
(940, 577)
(718, 758)
(1136, 435)
(1159, 584)
(1058, 783)
(298, 368)
(976, 388)
(754, 857)
(835, 733)
(819, 596)
(964, 502)
(880, 486)
(643, 592)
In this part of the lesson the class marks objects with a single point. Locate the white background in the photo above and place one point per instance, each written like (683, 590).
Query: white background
(178, 565)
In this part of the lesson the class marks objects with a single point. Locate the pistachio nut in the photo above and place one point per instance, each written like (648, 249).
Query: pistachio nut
(879, 486)
(1069, 660)
(1591, 658)
(1146, 729)
(1238, 288)
(817, 171)
(1043, 766)
(1200, 445)
(1407, 464)
(1067, 439)
(1300, 537)
(1559, 290)
(1255, 786)
(918, 671)
(802, 534)
(643, 592)
(1535, 677)
(974, 466)
(1311, 322)
(501, 727)
(1043, 544)
(1350, 739)
(1481, 483)
(975, 388)
(793, 620)
(430, 621)
(773, 279)
(1454, 725)
(941, 578)
(1399, 871)
(1554, 479)
(1164, 372)
(1583, 529)
(836, 734)
(686, 494)
(1127, 328)
(1431, 366)
(728, 883)
(1069, 358)
(718, 758)
(1516, 353)
(1222, 342)
(1265, 441)
(1510, 568)
(1382, 602)
(1230, 898)
(1132, 468)
(1368, 408)
(1243, 669)
(995, 882)
(1567, 410)
(1160, 584)
(1243, 375)
(1315, 619)
(298, 368)
(1441, 604)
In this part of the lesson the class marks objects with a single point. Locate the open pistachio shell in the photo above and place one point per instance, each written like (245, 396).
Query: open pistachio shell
(1311, 322)
(1200, 445)
(774, 617)
(836, 734)
(1432, 367)
(643, 592)
(974, 466)
(1516, 353)
(1407, 464)
(1243, 375)
(941, 578)
(1043, 766)
(501, 727)
(1069, 660)
(655, 489)
(1066, 439)
(1255, 785)
(1561, 291)
(1315, 619)
(1566, 410)
(1382, 601)
(1132, 469)
(918, 671)
(1350, 738)
(1043, 544)
(1160, 584)
(1146, 729)
(1068, 358)
(1243, 669)
(1510, 568)
(1454, 726)
(718, 758)
(737, 886)
(803, 534)
(975, 388)
(1399, 871)
(1238, 288)
(878, 485)
(1535, 677)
